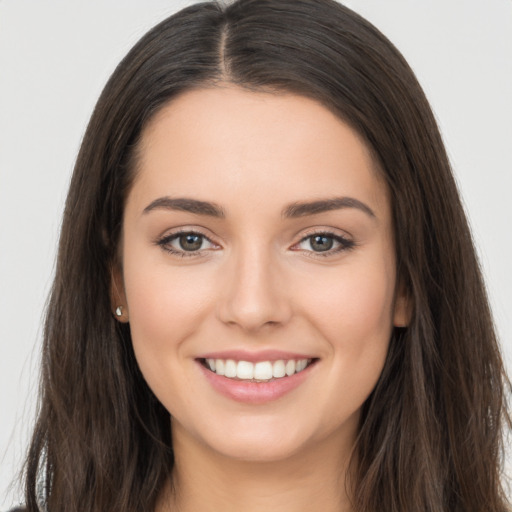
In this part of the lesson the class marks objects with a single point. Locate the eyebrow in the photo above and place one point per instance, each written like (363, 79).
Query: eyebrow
(186, 204)
(294, 210)
(301, 209)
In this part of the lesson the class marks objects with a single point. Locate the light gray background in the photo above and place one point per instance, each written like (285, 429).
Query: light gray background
(55, 57)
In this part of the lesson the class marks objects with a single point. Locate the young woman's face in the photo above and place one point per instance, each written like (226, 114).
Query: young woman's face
(258, 239)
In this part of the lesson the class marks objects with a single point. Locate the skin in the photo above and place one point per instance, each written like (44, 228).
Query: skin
(257, 283)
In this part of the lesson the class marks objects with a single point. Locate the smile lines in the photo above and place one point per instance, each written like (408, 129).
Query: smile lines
(261, 371)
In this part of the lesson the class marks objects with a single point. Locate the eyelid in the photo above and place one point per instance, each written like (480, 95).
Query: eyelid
(331, 231)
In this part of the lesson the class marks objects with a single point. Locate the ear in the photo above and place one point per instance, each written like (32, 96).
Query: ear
(402, 313)
(117, 295)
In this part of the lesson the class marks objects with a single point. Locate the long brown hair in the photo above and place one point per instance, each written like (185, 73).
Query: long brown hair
(431, 433)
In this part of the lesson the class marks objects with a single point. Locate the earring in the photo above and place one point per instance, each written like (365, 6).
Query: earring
(119, 311)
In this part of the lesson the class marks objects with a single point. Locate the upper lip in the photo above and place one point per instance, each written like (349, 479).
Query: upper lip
(255, 357)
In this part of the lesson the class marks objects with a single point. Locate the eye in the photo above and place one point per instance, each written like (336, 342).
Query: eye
(321, 243)
(186, 243)
(325, 244)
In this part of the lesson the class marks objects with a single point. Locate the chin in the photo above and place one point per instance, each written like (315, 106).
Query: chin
(261, 441)
(260, 452)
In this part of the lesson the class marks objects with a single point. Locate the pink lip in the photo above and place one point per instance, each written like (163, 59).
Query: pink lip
(255, 357)
(255, 392)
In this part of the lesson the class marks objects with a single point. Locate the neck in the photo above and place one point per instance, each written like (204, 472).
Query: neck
(206, 481)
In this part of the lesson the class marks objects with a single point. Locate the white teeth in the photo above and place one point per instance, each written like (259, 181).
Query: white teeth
(278, 369)
(301, 365)
(230, 368)
(245, 370)
(260, 371)
(263, 370)
(290, 367)
(219, 366)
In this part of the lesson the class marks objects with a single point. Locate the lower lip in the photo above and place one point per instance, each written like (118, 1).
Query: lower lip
(255, 392)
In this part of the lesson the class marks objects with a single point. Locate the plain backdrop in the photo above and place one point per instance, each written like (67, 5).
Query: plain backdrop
(55, 57)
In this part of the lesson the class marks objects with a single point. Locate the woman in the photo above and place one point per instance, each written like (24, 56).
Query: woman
(258, 301)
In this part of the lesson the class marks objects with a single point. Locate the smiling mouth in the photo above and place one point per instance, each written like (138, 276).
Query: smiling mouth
(262, 371)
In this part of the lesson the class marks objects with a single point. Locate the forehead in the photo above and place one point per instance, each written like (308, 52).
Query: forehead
(227, 141)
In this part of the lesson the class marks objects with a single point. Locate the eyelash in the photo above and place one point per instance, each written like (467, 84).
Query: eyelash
(164, 243)
(344, 244)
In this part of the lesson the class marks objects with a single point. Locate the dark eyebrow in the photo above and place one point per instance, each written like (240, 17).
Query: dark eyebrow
(301, 209)
(185, 204)
(298, 209)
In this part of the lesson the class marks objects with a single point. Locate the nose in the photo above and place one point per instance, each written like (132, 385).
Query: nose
(255, 293)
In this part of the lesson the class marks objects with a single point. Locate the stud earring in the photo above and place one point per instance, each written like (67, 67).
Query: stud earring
(119, 311)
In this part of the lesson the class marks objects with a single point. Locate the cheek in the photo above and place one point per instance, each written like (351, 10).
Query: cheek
(165, 307)
(354, 316)
(357, 302)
